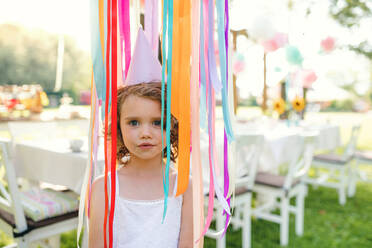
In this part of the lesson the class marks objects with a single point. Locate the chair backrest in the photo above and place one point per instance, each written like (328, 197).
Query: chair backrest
(351, 145)
(246, 153)
(302, 158)
(10, 199)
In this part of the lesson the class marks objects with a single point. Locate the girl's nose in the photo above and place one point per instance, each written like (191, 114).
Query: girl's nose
(145, 131)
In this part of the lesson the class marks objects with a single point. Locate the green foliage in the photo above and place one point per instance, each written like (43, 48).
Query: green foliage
(349, 13)
(30, 56)
(340, 106)
(363, 48)
(249, 102)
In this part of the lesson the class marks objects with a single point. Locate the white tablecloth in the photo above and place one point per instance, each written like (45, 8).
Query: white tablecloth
(52, 162)
(279, 140)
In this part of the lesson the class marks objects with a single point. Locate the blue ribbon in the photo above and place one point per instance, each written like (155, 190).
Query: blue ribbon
(223, 66)
(99, 73)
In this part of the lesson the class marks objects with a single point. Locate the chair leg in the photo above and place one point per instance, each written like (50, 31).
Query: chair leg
(342, 186)
(54, 241)
(306, 189)
(220, 224)
(22, 243)
(300, 204)
(284, 225)
(316, 174)
(353, 180)
(247, 222)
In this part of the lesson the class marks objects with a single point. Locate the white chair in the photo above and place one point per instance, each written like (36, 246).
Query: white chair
(360, 157)
(338, 168)
(16, 223)
(246, 152)
(283, 188)
(247, 155)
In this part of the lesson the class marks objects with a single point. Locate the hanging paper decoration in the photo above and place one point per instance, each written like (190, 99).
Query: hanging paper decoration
(328, 44)
(262, 29)
(279, 40)
(187, 34)
(293, 55)
(270, 45)
(308, 78)
(277, 69)
(239, 63)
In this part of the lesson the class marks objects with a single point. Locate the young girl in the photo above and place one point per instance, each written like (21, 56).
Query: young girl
(140, 195)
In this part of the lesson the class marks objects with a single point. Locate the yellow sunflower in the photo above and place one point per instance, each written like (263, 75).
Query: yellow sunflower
(298, 104)
(279, 106)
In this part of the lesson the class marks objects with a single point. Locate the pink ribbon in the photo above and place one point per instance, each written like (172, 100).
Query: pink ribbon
(151, 24)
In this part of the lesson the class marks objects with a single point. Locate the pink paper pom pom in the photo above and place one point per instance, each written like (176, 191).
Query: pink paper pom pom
(328, 44)
(308, 77)
(270, 45)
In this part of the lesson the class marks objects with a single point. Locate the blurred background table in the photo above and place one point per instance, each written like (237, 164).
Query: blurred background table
(53, 162)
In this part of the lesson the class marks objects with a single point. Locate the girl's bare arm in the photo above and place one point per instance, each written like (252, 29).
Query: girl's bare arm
(186, 233)
(97, 212)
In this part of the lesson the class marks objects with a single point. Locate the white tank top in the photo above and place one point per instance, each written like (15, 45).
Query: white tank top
(138, 223)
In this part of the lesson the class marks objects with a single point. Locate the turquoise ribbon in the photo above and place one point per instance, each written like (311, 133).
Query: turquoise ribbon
(169, 100)
(167, 19)
(223, 66)
(99, 71)
(164, 59)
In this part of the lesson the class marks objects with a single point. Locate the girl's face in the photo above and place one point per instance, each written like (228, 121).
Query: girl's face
(140, 124)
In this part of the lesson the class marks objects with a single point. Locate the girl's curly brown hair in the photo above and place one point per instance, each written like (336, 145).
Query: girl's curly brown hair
(151, 91)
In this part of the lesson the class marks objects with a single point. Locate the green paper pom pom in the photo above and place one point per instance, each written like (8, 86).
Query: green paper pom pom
(293, 55)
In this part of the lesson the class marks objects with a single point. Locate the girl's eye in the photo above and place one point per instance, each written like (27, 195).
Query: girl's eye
(157, 123)
(133, 123)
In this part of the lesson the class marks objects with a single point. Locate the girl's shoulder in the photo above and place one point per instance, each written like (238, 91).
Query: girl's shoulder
(98, 185)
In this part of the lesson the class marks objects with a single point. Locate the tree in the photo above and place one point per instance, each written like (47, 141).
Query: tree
(349, 13)
(30, 56)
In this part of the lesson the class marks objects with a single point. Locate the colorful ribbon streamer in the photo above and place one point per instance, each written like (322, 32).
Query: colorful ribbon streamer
(187, 35)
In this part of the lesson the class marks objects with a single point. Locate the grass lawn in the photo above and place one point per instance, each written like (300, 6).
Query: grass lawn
(327, 224)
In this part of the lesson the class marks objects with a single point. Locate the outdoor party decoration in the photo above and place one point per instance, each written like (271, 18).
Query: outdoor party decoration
(298, 103)
(308, 78)
(293, 55)
(279, 106)
(279, 40)
(262, 28)
(189, 69)
(239, 63)
(21, 102)
(328, 44)
(270, 45)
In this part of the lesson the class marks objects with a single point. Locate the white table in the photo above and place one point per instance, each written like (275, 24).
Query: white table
(52, 162)
(279, 140)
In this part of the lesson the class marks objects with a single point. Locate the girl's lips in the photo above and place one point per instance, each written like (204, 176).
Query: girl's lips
(146, 146)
